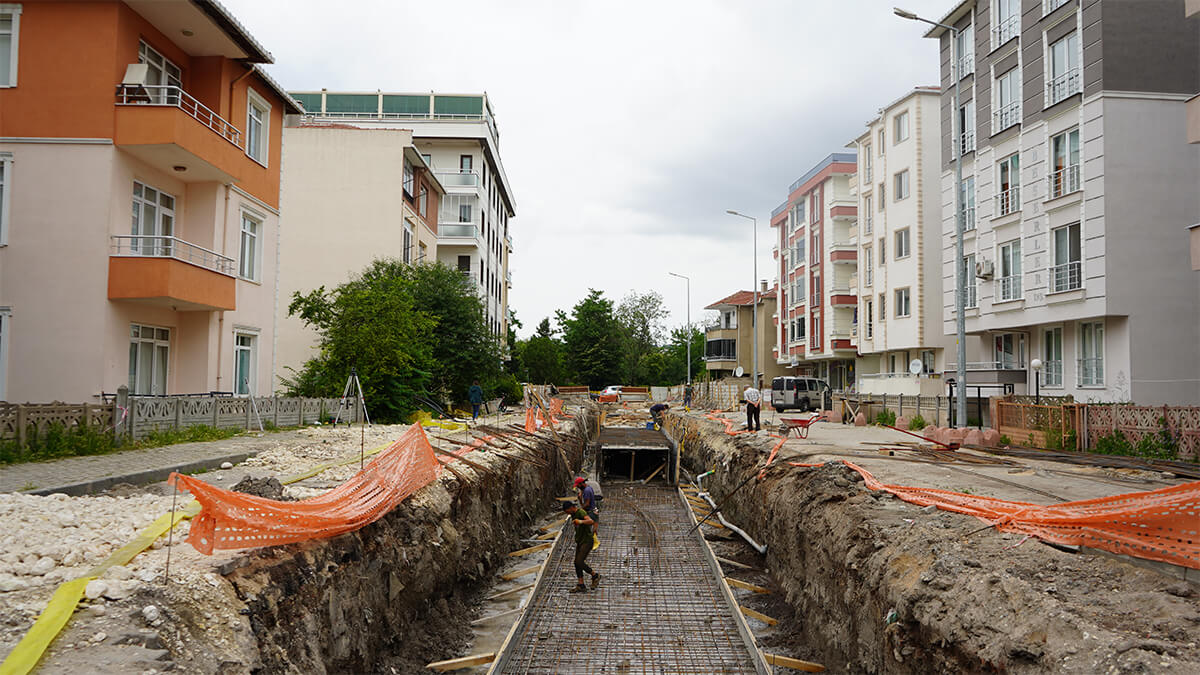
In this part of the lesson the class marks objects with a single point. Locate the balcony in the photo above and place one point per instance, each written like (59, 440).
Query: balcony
(1051, 5)
(457, 179)
(1006, 117)
(1091, 372)
(1066, 277)
(966, 65)
(1063, 182)
(972, 299)
(1062, 87)
(1008, 201)
(459, 234)
(1006, 30)
(966, 142)
(1010, 288)
(170, 272)
(1001, 371)
(968, 216)
(1052, 373)
(167, 128)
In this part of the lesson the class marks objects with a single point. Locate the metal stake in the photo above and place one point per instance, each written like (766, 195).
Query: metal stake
(170, 534)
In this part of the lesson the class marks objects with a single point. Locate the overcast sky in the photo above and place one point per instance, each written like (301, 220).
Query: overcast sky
(626, 128)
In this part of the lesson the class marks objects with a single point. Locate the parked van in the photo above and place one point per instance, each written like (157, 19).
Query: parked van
(805, 393)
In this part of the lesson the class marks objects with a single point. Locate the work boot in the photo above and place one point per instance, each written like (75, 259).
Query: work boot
(579, 588)
(595, 580)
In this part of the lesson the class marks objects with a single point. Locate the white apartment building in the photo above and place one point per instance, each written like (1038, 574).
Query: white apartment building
(457, 137)
(899, 239)
(1077, 179)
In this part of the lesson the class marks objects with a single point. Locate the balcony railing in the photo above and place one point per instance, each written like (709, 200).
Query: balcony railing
(868, 221)
(966, 142)
(1007, 30)
(1006, 116)
(972, 299)
(1010, 288)
(153, 246)
(1067, 277)
(1002, 364)
(1052, 373)
(1091, 372)
(1064, 181)
(176, 97)
(966, 65)
(1008, 201)
(1051, 5)
(1062, 86)
(466, 230)
(721, 356)
(968, 218)
(457, 178)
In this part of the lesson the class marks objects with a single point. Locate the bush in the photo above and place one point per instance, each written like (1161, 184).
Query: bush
(1160, 445)
(917, 423)
(886, 418)
(507, 387)
(1005, 440)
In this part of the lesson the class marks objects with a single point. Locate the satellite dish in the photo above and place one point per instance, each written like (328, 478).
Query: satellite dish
(739, 371)
(915, 366)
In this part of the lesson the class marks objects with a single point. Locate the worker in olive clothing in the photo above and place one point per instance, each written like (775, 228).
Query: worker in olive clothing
(583, 545)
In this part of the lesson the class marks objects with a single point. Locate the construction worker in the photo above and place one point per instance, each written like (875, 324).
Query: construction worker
(753, 403)
(583, 545)
(687, 395)
(656, 412)
(475, 396)
(589, 500)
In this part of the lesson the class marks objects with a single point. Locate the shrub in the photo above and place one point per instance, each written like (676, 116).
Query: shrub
(886, 417)
(917, 423)
(59, 441)
(1005, 440)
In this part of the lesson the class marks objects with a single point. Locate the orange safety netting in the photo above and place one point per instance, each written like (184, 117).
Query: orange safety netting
(1162, 525)
(231, 520)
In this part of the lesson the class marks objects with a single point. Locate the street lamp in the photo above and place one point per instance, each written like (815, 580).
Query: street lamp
(960, 278)
(689, 323)
(754, 310)
(1036, 364)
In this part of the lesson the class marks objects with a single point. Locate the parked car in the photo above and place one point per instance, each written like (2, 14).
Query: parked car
(611, 389)
(803, 393)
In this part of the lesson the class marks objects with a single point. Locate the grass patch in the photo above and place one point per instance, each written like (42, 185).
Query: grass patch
(886, 417)
(59, 442)
(917, 423)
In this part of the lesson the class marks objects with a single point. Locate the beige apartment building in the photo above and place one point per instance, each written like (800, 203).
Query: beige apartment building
(729, 340)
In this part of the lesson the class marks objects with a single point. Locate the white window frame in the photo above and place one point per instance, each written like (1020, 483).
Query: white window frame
(903, 240)
(167, 73)
(5, 338)
(965, 141)
(1049, 6)
(1005, 29)
(1061, 273)
(903, 306)
(967, 199)
(868, 217)
(1050, 372)
(6, 173)
(900, 185)
(252, 377)
(882, 142)
(1093, 382)
(258, 238)
(156, 342)
(1007, 113)
(1069, 82)
(869, 267)
(1064, 181)
(409, 179)
(972, 299)
(1008, 201)
(867, 164)
(163, 244)
(407, 242)
(965, 58)
(256, 100)
(900, 128)
(869, 311)
(14, 47)
(1009, 285)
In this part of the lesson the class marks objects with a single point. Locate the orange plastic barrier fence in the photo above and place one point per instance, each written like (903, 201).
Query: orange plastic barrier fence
(230, 520)
(556, 410)
(1162, 525)
(728, 424)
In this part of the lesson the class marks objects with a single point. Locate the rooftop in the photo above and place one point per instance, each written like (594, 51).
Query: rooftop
(834, 158)
(742, 299)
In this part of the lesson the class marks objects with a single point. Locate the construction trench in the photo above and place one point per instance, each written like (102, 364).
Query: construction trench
(851, 578)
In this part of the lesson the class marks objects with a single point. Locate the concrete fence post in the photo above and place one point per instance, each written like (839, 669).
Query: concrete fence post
(178, 414)
(275, 402)
(22, 421)
(216, 410)
(133, 430)
(121, 411)
(249, 408)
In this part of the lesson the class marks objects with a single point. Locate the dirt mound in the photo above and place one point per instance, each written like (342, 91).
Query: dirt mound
(269, 488)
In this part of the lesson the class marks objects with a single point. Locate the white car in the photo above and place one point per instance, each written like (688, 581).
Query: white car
(611, 389)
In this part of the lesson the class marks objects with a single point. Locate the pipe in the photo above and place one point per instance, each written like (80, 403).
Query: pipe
(733, 528)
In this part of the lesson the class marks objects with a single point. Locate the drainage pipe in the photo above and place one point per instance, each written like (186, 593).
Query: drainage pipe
(749, 540)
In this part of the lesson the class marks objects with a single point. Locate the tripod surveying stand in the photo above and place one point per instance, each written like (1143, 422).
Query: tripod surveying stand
(352, 392)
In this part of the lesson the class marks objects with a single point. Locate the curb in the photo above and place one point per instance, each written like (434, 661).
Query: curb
(139, 477)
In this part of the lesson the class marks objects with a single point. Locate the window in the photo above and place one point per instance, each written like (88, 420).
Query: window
(1091, 351)
(882, 197)
(903, 308)
(866, 163)
(816, 247)
(1008, 100)
(5, 330)
(882, 251)
(423, 250)
(815, 342)
(163, 78)
(1010, 270)
(1066, 275)
(902, 243)
(799, 257)
(1051, 5)
(428, 159)
(1009, 351)
(1008, 21)
(798, 293)
(900, 186)
(1064, 170)
(800, 325)
(972, 285)
(816, 290)
(928, 361)
(408, 242)
(464, 212)
(882, 307)
(798, 213)
(1008, 187)
(1062, 78)
(882, 138)
(245, 360)
(249, 253)
(1052, 372)
(729, 319)
(464, 264)
(966, 128)
(10, 21)
(723, 349)
(423, 203)
(149, 354)
(258, 123)
(153, 225)
(966, 198)
(869, 311)
(964, 50)
(6, 163)
(409, 179)
(869, 266)
(465, 163)
(900, 128)
(867, 215)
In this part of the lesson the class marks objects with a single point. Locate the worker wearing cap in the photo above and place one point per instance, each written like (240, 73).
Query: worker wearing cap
(589, 500)
(583, 545)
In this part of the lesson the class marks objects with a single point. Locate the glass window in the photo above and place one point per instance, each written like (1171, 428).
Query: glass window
(868, 266)
(1010, 351)
(153, 225)
(1008, 21)
(245, 358)
(249, 251)
(816, 290)
(464, 213)
(1008, 100)
(869, 311)
(900, 187)
(1067, 270)
(903, 308)
(882, 252)
(1008, 195)
(1062, 78)
(900, 128)
(149, 356)
(866, 161)
(928, 361)
(882, 306)
(408, 242)
(1052, 370)
(966, 128)
(1064, 154)
(972, 299)
(967, 200)
(465, 163)
(409, 180)
(964, 49)
(867, 215)
(163, 78)
(902, 243)
(1010, 270)
(258, 120)
(1091, 351)
(10, 19)
(882, 197)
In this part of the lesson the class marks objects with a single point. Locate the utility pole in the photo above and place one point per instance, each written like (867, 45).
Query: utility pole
(754, 309)
(689, 324)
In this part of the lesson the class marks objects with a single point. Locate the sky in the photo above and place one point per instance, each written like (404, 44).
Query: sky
(627, 129)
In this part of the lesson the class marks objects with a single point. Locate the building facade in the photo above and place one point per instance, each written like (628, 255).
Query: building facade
(139, 200)
(816, 250)
(729, 339)
(457, 137)
(1077, 179)
(899, 242)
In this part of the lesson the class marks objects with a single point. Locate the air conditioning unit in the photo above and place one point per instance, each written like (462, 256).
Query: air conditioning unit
(136, 73)
(795, 360)
(984, 269)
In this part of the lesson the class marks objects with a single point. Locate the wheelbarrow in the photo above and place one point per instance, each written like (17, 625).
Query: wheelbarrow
(798, 425)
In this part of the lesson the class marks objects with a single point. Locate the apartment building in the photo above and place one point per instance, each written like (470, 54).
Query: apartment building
(729, 340)
(1192, 12)
(1071, 134)
(139, 200)
(457, 138)
(899, 241)
(816, 249)
(347, 176)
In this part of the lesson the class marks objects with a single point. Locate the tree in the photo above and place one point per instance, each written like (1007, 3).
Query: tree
(641, 317)
(593, 341)
(677, 352)
(514, 365)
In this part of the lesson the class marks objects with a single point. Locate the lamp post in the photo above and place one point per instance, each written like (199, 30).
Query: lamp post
(754, 309)
(689, 324)
(1036, 364)
(960, 278)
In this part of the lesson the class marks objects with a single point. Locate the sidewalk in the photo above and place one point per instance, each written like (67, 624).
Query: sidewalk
(85, 475)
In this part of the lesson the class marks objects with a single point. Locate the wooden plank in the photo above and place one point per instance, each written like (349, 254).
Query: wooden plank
(462, 662)
(734, 563)
(548, 535)
(649, 478)
(794, 664)
(746, 585)
(531, 549)
(553, 525)
(515, 574)
(758, 615)
(511, 591)
(484, 619)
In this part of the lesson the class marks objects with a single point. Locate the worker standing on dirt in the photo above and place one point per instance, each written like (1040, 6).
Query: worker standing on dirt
(589, 500)
(475, 396)
(687, 395)
(583, 545)
(753, 402)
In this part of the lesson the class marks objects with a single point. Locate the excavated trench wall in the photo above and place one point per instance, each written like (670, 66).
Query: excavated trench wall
(396, 594)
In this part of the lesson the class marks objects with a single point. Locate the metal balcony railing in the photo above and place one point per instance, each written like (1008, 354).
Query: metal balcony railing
(999, 364)
(1006, 116)
(1051, 5)
(1063, 86)
(1091, 372)
(1066, 277)
(1006, 30)
(1052, 373)
(966, 65)
(457, 178)
(966, 142)
(1064, 181)
(176, 97)
(972, 299)
(153, 246)
(1010, 288)
(1008, 201)
(968, 218)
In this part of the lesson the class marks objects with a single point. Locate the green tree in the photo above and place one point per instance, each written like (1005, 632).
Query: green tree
(641, 317)
(514, 364)
(543, 356)
(593, 341)
(677, 353)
